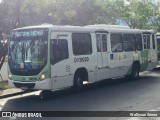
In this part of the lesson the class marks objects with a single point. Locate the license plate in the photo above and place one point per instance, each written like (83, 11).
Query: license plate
(24, 88)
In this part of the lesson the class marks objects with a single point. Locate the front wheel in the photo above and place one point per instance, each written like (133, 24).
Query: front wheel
(46, 94)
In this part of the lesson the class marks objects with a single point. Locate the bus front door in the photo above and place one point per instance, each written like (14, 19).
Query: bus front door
(103, 70)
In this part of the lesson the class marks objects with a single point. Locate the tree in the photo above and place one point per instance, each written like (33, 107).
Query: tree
(111, 11)
(142, 14)
(155, 21)
(138, 14)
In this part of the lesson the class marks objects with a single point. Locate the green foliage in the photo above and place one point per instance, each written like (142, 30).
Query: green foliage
(139, 14)
(144, 14)
(3, 86)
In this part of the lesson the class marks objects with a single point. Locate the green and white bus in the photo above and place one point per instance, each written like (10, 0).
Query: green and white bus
(158, 46)
(48, 57)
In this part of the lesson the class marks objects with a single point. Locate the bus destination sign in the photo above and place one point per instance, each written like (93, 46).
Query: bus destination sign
(28, 33)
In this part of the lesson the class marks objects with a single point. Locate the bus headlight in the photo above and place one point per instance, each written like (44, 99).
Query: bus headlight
(43, 76)
(9, 76)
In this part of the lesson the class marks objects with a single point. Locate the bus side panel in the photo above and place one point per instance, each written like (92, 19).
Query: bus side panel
(87, 62)
(119, 62)
(92, 61)
(61, 74)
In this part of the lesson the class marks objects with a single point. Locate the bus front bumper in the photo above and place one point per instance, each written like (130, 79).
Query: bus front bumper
(38, 85)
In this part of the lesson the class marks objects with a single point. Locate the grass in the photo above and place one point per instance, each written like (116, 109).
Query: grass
(3, 86)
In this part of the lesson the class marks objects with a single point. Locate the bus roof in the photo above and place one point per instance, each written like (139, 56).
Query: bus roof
(158, 34)
(89, 28)
(104, 26)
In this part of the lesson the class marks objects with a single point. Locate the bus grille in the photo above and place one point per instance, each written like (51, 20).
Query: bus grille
(27, 85)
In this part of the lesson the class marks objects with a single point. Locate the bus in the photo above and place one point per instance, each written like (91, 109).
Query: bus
(50, 57)
(158, 46)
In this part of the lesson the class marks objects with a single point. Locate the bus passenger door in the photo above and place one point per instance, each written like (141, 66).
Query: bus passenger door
(158, 47)
(153, 53)
(146, 53)
(103, 70)
(154, 50)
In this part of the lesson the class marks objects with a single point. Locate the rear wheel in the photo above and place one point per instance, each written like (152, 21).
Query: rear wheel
(78, 82)
(135, 71)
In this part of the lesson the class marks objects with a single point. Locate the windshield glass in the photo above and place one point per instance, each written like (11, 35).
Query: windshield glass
(28, 51)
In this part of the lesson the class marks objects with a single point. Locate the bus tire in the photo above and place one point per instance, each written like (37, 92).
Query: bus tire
(135, 71)
(46, 94)
(78, 82)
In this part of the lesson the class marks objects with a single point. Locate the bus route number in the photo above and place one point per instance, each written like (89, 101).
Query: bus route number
(83, 59)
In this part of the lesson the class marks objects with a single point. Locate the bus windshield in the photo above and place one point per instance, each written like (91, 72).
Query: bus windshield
(28, 51)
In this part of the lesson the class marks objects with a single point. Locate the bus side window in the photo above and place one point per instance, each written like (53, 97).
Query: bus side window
(104, 42)
(102, 46)
(148, 41)
(144, 42)
(138, 42)
(116, 43)
(153, 42)
(82, 44)
(98, 39)
(59, 50)
(158, 43)
(129, 42)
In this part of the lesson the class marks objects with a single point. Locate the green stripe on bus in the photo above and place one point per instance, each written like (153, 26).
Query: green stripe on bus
(144, 66)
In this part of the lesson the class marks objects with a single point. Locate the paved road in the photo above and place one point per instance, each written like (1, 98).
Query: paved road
(112, 95)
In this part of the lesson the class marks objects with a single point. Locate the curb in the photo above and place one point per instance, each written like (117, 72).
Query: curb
(15, 94)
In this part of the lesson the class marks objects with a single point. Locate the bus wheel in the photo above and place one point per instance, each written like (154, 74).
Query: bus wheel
(135, 71)
(46, 94)
(78, 82)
